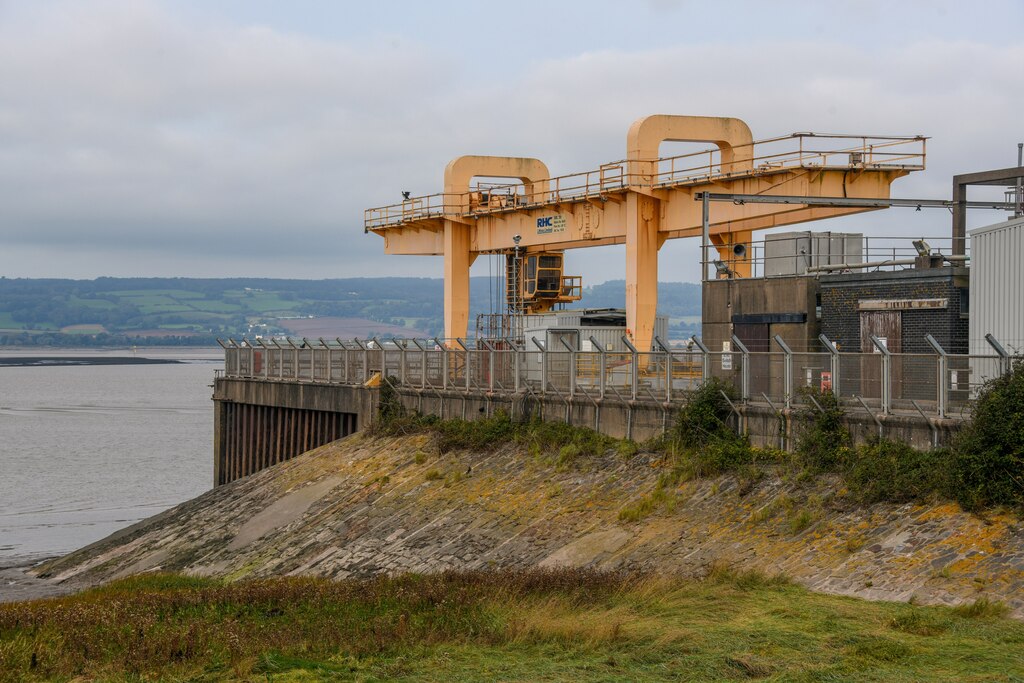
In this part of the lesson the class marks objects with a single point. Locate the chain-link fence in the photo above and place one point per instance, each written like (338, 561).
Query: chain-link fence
(937, 384)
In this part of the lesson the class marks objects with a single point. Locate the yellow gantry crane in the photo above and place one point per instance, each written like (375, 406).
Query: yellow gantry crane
(640, 201)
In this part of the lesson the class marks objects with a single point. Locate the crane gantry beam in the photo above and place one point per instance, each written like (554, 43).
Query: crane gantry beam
(640, 202)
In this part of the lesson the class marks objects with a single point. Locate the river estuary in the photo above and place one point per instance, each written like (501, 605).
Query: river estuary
(86, 450)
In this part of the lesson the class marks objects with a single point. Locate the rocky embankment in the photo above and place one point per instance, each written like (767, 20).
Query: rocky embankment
(364, 505)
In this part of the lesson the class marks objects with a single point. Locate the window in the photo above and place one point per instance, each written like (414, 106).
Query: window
(531, 275)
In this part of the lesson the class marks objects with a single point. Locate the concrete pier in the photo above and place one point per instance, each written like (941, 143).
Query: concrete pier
(259, 423)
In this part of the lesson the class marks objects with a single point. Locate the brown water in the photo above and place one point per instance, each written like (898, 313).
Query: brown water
(87, 450)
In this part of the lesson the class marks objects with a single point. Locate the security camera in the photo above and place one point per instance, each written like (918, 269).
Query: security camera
(516, 238)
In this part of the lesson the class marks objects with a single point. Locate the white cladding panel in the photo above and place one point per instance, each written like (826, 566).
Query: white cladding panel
(997, 286)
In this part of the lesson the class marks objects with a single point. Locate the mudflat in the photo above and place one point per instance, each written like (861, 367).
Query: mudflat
(16, 584)
(35, 361)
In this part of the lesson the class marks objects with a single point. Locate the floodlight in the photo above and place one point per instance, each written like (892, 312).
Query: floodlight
(922, 248)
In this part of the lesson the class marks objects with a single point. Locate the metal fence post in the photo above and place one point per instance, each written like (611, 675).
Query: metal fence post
(423, 363)
(366, 360)
(705, 364)
(296, 375)
(490, 365)
(634, 384)
(1004, 357)
(668, 368)
(604, 365)
(543, 364)
(344, 360)
(886, 374)
(942, 366)
(401, 359)
(328, 377)
(444, 363)
(745, 370)
(467, 363)
(572, 366)
(330, 356)
(280, 359)
(516, 364)
(266, 360)
(787, 386)
(834, 364)
(377, 346)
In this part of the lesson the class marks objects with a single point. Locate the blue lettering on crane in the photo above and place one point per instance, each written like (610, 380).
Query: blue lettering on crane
(549, 224)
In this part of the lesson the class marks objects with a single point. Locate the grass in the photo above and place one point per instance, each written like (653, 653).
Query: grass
(558, 444)
(509, 625)
(7, 322)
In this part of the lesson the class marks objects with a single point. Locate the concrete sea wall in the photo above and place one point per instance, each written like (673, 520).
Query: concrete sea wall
(364, 505)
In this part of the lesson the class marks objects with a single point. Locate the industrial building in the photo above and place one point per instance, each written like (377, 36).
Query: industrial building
(997, 287)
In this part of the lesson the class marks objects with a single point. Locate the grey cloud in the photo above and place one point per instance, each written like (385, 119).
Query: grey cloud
(145, 139)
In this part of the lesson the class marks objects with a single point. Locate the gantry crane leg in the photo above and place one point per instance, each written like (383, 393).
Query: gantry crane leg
(457, 259)
(642, 244)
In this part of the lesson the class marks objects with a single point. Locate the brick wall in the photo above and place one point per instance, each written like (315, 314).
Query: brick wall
(841, 294)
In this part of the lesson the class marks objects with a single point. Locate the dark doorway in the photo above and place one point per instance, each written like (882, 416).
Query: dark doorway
(756, 337)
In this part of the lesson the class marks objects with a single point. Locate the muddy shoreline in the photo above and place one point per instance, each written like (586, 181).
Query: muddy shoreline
(50, 361)
(17, 584)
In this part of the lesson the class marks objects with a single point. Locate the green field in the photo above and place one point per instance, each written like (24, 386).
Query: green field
(146, 293)
(99, 304)
(9, 323)
(33, 311)
(511, 626)
(214, 306)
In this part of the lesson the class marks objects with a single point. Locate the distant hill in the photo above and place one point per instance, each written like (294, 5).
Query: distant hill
(195, 311)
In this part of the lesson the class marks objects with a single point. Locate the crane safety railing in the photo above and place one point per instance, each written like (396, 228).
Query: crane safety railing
(938, 384)
(802, 253)
(785, 153)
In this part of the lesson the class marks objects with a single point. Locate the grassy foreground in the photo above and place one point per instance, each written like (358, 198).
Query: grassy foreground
(487, 626)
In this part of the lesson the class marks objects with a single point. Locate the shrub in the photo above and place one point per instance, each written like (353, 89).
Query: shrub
(727, 453)
(702, 441)
(896, 472)
(456, 434)
(988, 454)
(823, 442)
(704, 418)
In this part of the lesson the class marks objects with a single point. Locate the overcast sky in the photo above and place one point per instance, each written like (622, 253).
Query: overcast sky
(245, 137)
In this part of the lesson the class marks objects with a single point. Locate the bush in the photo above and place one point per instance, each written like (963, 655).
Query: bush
(566, 442)
(988, 454)
(896, 472)
(823, 442)
(704, 418)
(701, 442)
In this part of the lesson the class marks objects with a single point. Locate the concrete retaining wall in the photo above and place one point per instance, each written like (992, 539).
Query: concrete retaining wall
(260, 422)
